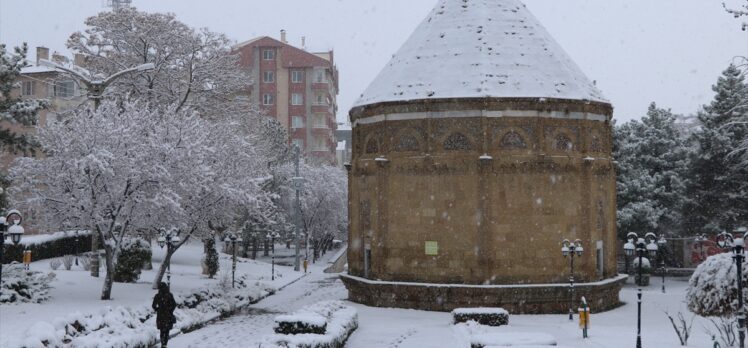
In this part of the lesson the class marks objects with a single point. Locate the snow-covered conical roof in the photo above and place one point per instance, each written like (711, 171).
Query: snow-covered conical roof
(480, 48)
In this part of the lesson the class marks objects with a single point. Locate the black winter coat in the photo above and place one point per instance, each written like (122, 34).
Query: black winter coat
(164, 305)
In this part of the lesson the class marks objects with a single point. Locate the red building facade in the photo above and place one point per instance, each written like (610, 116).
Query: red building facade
(297, 88)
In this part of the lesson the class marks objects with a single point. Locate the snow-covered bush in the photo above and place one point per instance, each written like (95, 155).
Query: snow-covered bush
(67, 261)
(20, 285)
(483, 316)
(341, 320)
(134, 253)
(54, 264)
(712, 288)
(480, 336)
(300, 323)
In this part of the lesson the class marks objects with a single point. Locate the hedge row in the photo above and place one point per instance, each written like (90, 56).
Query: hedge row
(56, 245)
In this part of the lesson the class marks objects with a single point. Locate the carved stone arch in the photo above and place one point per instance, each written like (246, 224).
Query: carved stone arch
(513, 140)
(457, 142)
(562, 142)
(372, 145)
(407, 141)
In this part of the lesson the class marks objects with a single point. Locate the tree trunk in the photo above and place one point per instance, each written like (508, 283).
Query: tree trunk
(267, 248)
(162, 268)
(106, 291)
(254, 248)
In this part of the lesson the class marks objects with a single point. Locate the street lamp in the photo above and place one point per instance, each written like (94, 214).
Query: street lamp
(95, 88)
(231, 240)
(170, 239)
(640, 246)
(661, 243)
(727, 241)
(570, 249)
(15, 231)
(271, 237)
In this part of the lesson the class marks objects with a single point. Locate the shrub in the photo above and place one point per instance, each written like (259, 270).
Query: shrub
(20, 285)
(85, 261)
(303, 323)
(210, 260)
(341, 320)
(712, 288)
(48, 246)
(54, 264)
(133, 254)
(483, 316)
(67, 261)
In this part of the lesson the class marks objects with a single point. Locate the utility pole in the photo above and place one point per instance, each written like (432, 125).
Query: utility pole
(297, 209)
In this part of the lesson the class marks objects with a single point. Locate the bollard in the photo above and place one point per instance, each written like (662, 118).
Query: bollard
(27, 259)
(584, 317)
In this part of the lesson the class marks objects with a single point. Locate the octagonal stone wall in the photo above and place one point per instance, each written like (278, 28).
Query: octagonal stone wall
(481, 191)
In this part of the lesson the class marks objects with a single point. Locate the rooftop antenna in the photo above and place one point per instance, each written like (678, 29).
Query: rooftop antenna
(118, 4)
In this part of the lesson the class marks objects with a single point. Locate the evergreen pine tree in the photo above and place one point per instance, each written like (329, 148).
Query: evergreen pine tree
(15, 109)
(210, 258)
(652, 160)
(718, 182)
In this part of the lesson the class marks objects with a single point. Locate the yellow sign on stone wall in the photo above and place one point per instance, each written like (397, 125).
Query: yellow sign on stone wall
(432, 248)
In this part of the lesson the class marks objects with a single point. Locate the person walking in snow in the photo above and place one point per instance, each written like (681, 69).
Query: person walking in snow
(164, 305)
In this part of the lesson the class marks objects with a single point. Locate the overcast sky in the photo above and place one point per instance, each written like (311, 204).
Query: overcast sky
(639, 51)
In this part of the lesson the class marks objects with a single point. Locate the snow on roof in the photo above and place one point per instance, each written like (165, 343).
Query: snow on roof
(36, 69)
(480, 48)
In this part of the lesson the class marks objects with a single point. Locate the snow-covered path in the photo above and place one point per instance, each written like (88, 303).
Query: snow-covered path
(248, 329)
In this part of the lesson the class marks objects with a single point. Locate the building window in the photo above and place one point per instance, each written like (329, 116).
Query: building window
(297, 76)
(27, 88)
(297, 99)
(298, 142)
(64, 89)
(268, 77)
(319, 76)
(268, 54)
(267, 99)
(319, 144)
(297, 122)
(320, 121)
(320, 99)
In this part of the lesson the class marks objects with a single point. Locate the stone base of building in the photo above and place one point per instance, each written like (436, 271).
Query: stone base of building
(517, 299)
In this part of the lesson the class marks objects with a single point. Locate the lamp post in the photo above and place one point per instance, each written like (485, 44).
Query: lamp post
(170, 239)
(661, 243)
(76, 247)
(15, 231)
(271, 237)
(570, 249)
(231, 240)
(727, 241)
(95, 88)
(640, 246)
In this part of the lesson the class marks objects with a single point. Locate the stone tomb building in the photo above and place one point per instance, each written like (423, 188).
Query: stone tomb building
(476, 151)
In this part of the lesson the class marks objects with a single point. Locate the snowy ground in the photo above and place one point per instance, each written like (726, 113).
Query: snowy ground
(390, 328)
(76, 290)
(378, 327)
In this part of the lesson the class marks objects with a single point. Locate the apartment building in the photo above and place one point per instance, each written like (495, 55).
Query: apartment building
(40, 82)
(296, 87)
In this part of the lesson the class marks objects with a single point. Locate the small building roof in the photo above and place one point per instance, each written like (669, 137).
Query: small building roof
(480, 48)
